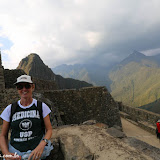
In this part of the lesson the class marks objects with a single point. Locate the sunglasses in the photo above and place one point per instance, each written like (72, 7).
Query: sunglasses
(20, 86)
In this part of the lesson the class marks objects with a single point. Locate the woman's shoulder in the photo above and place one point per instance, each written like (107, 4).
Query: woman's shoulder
(5, 115)
(8, 108)
(35, 101)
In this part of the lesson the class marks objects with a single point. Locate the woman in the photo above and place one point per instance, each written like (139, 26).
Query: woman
(27, 136)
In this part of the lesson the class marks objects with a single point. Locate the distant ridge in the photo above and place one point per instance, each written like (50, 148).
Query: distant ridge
(153, 107)
(91, 73)
(135, 81)
(34, 66)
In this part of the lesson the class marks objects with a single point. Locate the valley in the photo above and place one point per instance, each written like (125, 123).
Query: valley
(134, 81)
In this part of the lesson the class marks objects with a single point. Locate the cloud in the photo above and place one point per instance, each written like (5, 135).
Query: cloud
(77, 31)
(1, 45)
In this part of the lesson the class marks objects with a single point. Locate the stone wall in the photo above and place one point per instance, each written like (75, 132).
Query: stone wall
(2, 83)
(138, 114)
(77, 106)
(44, 84)
(10, 77)
(92, 103)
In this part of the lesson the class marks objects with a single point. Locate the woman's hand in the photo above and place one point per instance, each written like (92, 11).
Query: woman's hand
(37, 152)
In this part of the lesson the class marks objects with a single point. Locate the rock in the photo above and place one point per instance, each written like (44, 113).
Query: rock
(143, 147)
(115, 133)
(74, 149)
(89, 142)
(56, 153)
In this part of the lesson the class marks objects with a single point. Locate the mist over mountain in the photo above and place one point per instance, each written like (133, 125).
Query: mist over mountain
(34, 66)
(134, 81)
(140, 58)
(91, 73)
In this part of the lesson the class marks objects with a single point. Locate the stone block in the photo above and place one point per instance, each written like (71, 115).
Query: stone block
(73, 148)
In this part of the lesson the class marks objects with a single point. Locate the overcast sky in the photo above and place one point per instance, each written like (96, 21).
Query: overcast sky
(78, 31)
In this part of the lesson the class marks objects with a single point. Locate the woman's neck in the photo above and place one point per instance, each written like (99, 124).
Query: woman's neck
(26, 101)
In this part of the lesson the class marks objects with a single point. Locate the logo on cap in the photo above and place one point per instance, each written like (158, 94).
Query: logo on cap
(23, 78)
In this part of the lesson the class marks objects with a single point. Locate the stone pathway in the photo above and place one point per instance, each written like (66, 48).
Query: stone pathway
(132, 130)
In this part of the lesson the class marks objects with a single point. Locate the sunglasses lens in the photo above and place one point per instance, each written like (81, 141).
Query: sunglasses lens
(27, 86)
(20, 86)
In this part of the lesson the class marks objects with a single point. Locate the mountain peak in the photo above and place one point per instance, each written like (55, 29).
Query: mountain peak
(134, 57)
(34, 66)
(33, 56)
(137, 54)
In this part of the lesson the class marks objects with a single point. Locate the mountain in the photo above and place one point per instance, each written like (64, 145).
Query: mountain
(137, 57)
(91, 73)
(135, 80)
(153, 107)
(34, 66)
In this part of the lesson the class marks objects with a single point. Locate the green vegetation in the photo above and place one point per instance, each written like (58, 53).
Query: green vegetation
(135, 81)
(136, 84)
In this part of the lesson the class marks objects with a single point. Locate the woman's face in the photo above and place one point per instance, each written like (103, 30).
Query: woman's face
(25, 90)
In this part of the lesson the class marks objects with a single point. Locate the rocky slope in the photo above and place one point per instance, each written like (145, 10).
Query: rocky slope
(135, 81)
(34, 66)
(97, 142)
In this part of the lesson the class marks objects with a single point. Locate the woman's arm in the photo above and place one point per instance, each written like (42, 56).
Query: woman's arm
(48, 127)
(4, 138)
(37, 152)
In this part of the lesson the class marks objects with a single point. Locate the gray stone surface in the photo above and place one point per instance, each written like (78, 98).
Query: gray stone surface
(115, 132)
(143, 147)
(74, 149)
(91, 142)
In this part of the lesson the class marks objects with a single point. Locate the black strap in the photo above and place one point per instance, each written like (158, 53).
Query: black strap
(13, 109)
(39, 107)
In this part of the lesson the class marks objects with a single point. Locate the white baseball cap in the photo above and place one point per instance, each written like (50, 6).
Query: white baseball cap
(24, 78)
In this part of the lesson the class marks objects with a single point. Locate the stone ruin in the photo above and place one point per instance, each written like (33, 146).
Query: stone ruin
(75, 107)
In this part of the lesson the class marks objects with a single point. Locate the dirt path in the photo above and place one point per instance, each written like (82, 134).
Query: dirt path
(132, 130)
